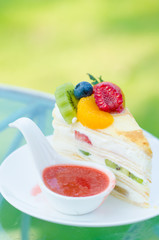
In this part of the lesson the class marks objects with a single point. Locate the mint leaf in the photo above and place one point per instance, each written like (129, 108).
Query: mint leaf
(100, 79)
(93, 79)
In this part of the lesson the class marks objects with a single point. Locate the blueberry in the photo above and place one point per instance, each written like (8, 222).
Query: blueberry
(83, 89)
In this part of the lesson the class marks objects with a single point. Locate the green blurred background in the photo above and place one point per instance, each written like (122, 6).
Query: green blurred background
(44, 43)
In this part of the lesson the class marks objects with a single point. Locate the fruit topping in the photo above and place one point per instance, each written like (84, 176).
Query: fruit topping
(66, 101)
(139, 180)
(111, 164)
(90, 115)
(109, 97)
(83, 89)
(82, 137)
(123, 170)
(84, 152)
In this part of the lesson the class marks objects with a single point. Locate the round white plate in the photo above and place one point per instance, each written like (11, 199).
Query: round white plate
(18, 178)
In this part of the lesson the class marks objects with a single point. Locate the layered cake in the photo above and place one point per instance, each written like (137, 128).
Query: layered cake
(91, 123)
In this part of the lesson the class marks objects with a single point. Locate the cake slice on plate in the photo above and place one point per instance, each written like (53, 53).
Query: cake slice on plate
(92, 124)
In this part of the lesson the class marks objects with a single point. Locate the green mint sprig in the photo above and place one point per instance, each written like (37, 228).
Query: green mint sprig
(95, 80)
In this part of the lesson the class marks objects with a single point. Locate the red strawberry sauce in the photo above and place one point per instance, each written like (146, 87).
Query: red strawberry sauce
(35, 191)
(75, 181)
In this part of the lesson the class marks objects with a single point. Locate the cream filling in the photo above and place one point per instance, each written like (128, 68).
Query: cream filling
(132, 194)
(71, 150)
(105, 146)
(113, 143)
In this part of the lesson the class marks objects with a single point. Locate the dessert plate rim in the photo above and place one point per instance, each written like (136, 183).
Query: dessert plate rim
(28, 205)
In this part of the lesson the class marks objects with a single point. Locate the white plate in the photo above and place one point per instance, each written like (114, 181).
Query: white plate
(17, 179)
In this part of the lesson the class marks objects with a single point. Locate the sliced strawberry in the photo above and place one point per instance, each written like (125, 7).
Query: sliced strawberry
(82, 137)
(109, 97)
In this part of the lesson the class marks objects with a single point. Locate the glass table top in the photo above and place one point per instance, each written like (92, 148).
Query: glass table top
(14, 224)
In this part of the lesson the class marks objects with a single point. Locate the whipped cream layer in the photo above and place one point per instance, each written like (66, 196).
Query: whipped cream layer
(106, 143)
(113, 143)
(124, 192)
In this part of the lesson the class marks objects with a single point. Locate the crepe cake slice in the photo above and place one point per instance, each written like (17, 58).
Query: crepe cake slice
(121, 146)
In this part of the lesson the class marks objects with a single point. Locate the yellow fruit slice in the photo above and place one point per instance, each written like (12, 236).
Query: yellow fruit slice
(90, 116)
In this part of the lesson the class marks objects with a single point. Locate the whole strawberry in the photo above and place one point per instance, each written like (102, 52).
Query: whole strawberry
(109, 97)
